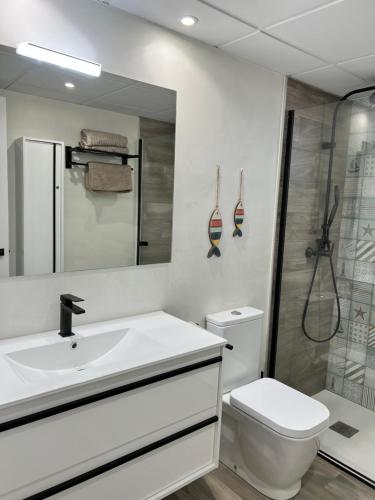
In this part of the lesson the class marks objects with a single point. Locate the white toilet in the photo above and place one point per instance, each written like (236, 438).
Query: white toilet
(270, 432)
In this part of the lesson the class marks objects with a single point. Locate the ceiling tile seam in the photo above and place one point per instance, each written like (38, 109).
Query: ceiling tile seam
(337, 66)
(312, 70)
(112, 92)
(351, 73)
(304, 14)
(18, 78)
(329, 3)
(239, 39)
(357, 58)
(316, 70)
(323, 61)
(343, 70)
(311, 54)
(228, 14)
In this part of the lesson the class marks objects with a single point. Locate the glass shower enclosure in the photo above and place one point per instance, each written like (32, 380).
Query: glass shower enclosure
(323, 339)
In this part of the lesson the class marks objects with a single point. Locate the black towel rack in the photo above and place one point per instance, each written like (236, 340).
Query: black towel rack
(69, 150)
(70, 163)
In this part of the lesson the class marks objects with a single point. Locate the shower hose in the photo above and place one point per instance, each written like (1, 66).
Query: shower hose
(307, 303)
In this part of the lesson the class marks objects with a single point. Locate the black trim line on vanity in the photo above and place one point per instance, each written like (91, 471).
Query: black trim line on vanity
(349, 470)
(75, 481)
(71, 405)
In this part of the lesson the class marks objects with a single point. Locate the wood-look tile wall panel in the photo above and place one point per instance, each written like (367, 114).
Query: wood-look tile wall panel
(301, 363)
(157, 193)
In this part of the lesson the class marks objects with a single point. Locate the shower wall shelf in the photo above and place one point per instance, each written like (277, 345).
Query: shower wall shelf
(70, 163)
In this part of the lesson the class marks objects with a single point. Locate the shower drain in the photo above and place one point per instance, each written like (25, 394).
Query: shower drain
(344, 429)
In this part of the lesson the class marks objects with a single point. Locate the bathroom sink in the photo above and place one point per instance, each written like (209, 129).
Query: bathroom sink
(72, 353)
(45, 363)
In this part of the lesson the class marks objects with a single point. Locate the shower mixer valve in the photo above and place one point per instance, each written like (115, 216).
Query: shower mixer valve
(324, 248)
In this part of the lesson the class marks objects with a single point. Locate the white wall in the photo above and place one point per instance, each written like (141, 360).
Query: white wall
(228, 112)
(99, 229)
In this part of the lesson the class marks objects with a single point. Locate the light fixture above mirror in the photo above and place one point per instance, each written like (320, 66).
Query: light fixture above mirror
(59, 59)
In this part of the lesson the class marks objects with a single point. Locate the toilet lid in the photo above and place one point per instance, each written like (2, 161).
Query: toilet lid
(283, 409)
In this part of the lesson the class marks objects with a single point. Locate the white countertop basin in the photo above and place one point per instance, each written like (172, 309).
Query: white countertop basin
(74, 355)
(36, 365)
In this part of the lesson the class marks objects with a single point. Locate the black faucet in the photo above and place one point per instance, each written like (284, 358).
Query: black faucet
(67, 308)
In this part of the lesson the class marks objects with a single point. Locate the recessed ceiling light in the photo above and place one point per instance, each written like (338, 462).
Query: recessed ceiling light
(189, 20)
(69, 85)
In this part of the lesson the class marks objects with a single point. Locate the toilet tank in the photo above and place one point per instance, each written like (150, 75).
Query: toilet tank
(242, 328)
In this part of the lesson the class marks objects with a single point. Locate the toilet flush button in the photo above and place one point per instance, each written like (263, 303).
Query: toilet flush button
(236, 313)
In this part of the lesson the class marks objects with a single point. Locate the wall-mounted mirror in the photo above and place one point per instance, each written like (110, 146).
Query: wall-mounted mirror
(86, 169)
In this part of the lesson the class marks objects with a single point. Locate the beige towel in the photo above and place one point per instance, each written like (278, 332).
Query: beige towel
(110, 149)
(91, 138)
(108, 178)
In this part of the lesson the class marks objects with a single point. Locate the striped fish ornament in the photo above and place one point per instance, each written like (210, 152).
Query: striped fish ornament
(239, 211)
(215, 225)
(215, 228)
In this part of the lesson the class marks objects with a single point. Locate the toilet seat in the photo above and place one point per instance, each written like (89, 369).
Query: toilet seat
(283, 409)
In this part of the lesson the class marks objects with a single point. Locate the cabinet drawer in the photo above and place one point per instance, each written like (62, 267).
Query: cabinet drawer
(149, 476)
(52, 450)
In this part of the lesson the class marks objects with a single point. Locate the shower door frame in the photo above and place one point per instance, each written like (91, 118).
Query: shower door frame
(271, 366)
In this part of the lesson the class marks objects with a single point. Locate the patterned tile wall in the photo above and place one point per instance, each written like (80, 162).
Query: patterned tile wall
(351, 359)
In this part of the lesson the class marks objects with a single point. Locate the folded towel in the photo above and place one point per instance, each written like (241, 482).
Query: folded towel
(109, 149)
(108, 177)
(91, 138)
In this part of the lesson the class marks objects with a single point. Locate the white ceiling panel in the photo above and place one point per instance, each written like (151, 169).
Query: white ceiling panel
(363, 67)
(288, 36)
(271, 53)
(331, 79)
(44, 77)
(140, 96)
(51, 93)
(118, 107)
(214, 27)
(339, 32)
(11, 68)
(262, 13)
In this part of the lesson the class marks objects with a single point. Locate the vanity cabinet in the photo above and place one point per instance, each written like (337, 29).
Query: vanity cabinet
(137, 437)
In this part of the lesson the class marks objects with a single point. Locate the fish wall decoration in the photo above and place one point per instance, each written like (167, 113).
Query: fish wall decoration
(239, 211)
(215, 225)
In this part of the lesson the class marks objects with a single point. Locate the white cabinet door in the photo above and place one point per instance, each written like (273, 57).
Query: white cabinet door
(42, 213)
(48, 452)
(4, 223)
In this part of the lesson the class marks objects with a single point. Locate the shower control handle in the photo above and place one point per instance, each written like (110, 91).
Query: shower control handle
(310, 252)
